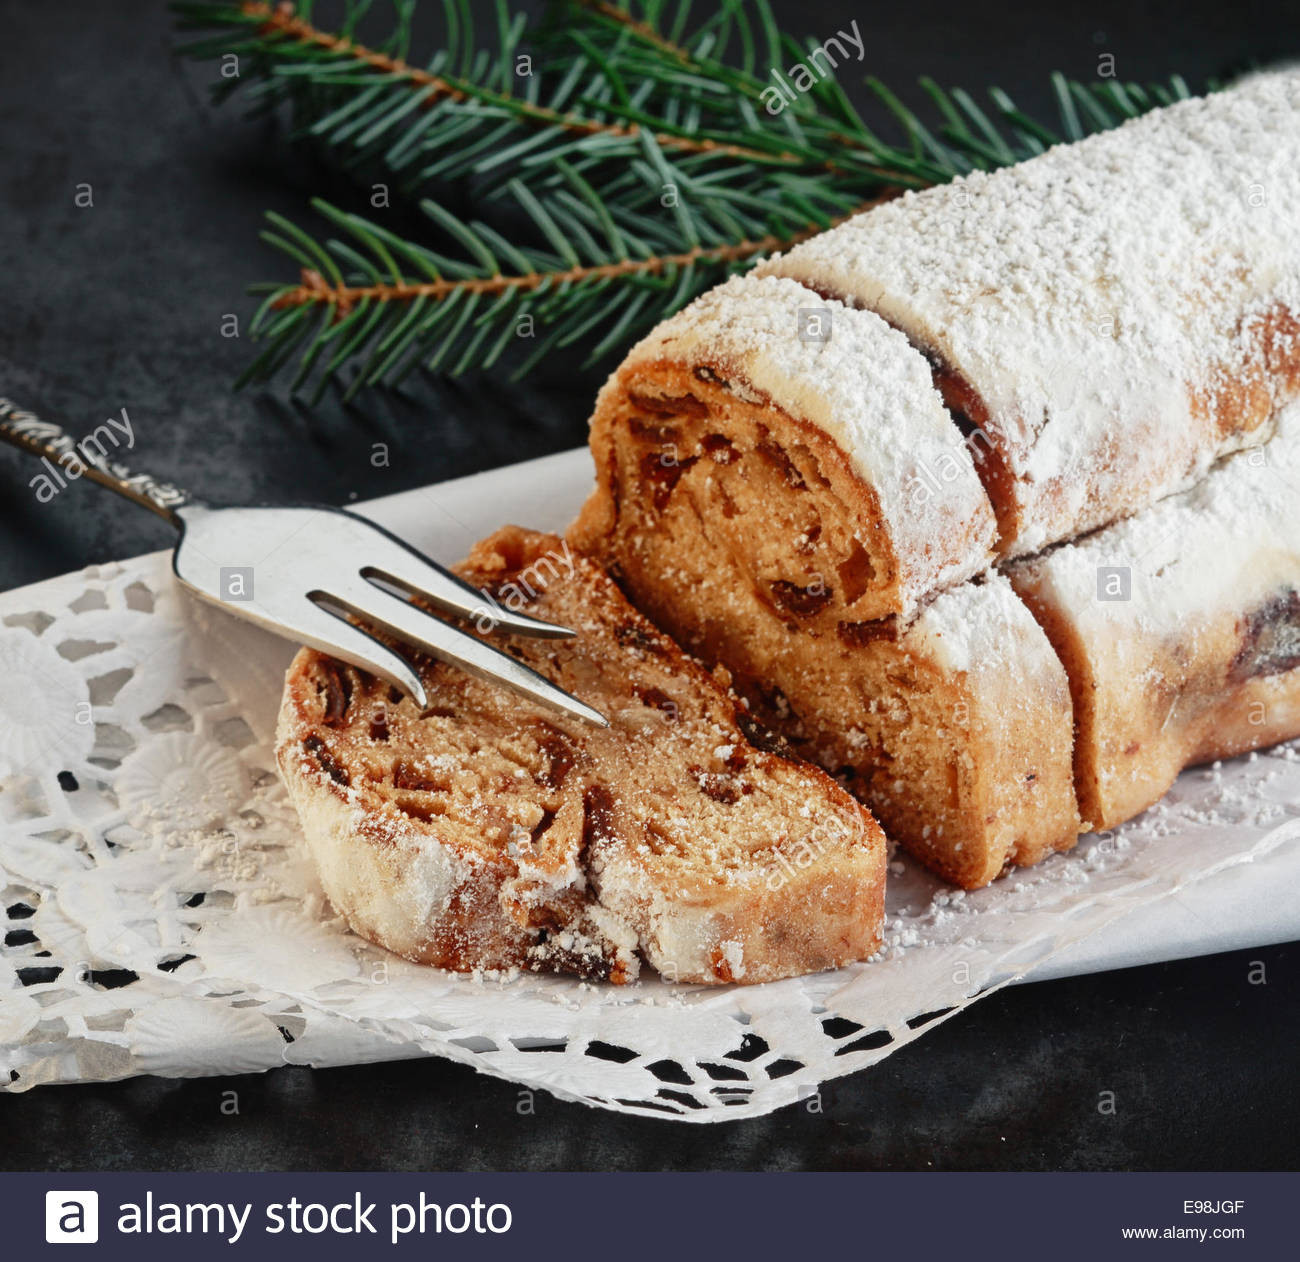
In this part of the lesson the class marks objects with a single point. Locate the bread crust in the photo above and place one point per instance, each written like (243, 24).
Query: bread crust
(489, 834)
(1107, 319)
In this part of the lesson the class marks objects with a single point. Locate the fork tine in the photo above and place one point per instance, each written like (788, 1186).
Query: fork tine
(411, 623)
(422, 577)
(328, 631)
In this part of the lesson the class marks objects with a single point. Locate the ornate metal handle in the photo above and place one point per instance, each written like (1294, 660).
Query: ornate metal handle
(66, 460)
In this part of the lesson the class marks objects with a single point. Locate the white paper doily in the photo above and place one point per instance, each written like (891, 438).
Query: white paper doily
(159, 917)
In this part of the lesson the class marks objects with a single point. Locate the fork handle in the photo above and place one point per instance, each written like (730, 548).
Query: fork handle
(68, 460)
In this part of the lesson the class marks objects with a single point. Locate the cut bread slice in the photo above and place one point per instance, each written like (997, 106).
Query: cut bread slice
(1107, 319)
(955, 729)
(783, 506)
(1180, 628)
(489, 833)
(806, 439)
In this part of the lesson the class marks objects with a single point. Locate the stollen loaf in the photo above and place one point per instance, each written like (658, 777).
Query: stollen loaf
(1112, 329)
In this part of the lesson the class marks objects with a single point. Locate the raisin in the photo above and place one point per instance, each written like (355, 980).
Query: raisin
(720, 788)
(860, 633)
(660, 435)
(597, 816)
(806, 544)
(320, 751)
(338, 694)
(718, 448)
(632, 635)
(662, 477)
(659, 700)
(1270, 638)
(721, 967)
(668, 404)
(405, 776)
(762, 737)
(800, 602)
(560, 756)
(776, 454)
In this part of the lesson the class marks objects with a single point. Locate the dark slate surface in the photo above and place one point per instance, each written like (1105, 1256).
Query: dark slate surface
(1201, 1062)
(121, 305)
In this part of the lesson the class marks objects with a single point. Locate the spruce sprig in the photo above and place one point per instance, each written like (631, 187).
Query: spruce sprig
(617, 160)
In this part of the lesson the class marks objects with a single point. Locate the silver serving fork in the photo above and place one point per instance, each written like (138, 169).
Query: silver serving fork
(304, 571)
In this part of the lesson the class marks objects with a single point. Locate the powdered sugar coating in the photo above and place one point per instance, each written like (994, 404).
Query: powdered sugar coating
(1093, 297)
(984, 627)
(866, 388)
(1219, 548)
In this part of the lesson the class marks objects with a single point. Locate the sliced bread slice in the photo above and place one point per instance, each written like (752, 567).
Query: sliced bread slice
(805, 440)
(486, 832)
(1179, 628)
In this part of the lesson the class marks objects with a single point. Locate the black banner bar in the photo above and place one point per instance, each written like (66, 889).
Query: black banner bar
(666, 1216)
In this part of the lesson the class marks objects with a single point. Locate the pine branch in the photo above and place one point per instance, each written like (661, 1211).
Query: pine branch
(315, 289)
(428, 88)
(635, 167)
(392, 305)
(293, 57)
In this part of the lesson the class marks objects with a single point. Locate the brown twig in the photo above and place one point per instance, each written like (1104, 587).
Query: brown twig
(642, 29)
(314, 288)
(282, 20)
(684, 57)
